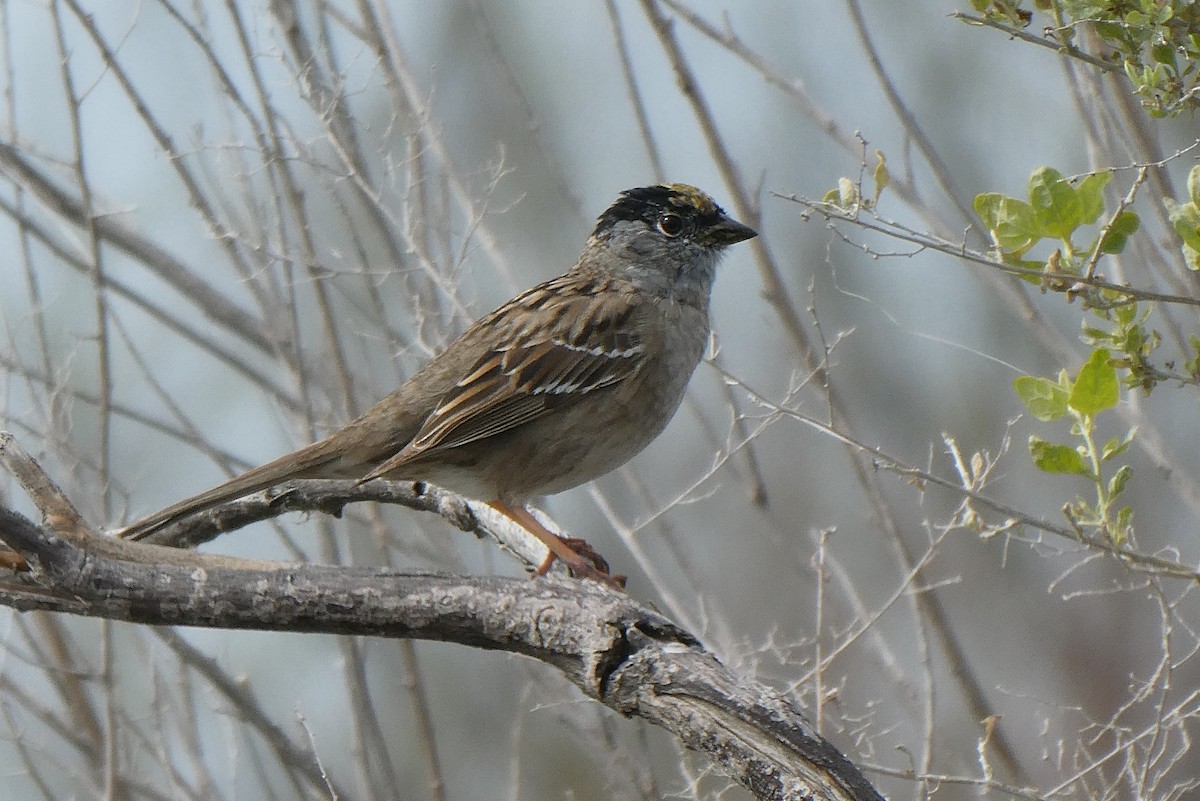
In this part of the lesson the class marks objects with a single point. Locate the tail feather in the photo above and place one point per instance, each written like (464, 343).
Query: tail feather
(304, 463)
(349, 452)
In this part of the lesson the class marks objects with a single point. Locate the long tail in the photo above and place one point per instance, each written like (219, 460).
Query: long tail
(304, 463)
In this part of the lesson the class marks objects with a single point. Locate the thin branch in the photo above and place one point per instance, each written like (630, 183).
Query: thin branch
(1026, 36)
(153, 257)
(941, 171)
(217, 229)
(247, 706)
(1075, 283)
(1136, 560)
(96, 272)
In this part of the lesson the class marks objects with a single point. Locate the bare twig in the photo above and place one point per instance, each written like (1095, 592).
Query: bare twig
(1041, 41)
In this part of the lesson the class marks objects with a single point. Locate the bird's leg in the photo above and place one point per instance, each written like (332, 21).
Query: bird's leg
(583, 562)
(584, 548)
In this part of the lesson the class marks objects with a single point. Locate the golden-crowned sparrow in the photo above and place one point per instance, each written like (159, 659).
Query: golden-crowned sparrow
(562, 384)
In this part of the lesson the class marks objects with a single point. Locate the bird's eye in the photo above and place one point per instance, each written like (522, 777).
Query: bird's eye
(670, 224)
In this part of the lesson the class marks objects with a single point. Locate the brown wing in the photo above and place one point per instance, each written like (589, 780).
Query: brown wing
(552, 350)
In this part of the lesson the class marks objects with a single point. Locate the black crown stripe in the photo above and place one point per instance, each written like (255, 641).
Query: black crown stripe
(647, 202)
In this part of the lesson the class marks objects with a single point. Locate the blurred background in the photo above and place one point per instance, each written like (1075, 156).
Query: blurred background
(229, 228)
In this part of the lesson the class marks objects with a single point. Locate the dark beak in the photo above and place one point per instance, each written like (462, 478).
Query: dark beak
(728, 231)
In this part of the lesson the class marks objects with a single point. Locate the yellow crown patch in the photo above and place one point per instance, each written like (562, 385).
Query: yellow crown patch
(688, 195)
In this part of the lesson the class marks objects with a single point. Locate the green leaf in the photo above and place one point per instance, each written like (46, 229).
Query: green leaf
(1057, 207)
(1096, 387)
(881, 176)
(1163, 53)
(1193, 185)
(1115, 447)
(1191, 258)
(848, 197)
(1011, 222)
(1045, 399)
(1108, 30)
(1091, 196)
(1124, 525)
(1051, 457)
(1116, 484)
(1114, 239)
(1185, 218)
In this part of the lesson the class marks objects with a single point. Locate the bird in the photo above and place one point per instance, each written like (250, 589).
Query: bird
(560, 385)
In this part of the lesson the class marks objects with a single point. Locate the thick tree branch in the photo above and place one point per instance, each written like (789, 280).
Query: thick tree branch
(616, 651)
